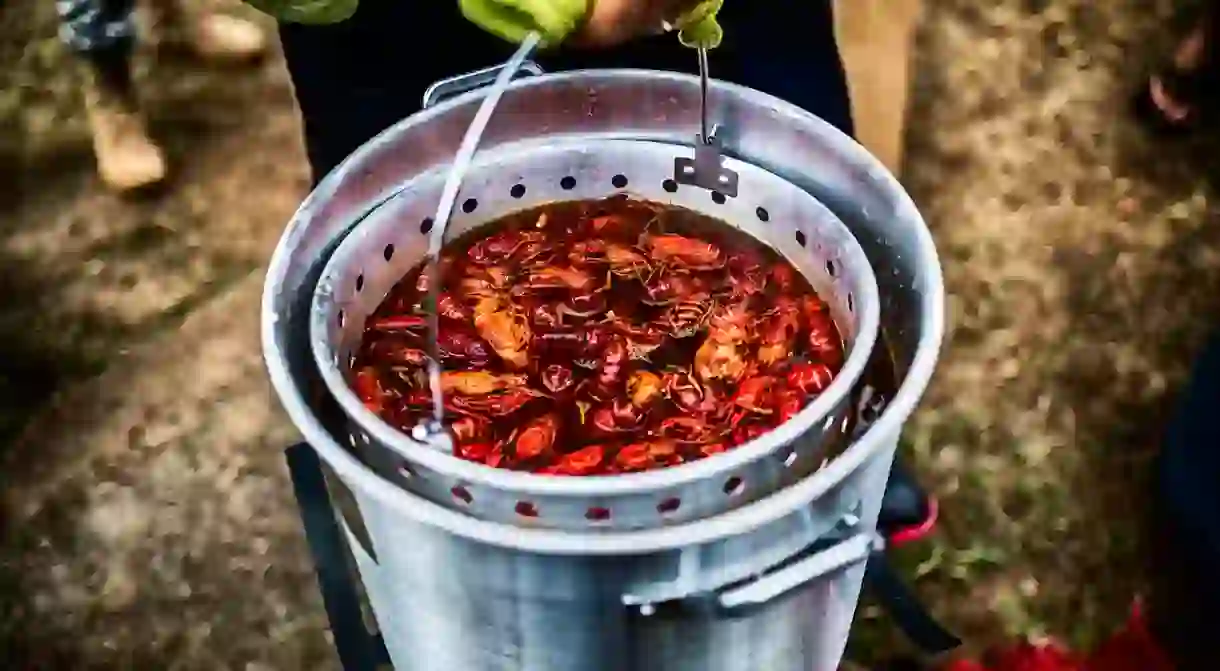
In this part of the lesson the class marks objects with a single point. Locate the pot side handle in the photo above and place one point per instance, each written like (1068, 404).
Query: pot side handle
(464, 83)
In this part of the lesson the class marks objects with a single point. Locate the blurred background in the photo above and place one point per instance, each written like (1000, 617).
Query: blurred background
(148, 521)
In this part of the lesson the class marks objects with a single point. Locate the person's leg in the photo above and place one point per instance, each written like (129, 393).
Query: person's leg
(1185, 580)
(193, 26)
(102, 33)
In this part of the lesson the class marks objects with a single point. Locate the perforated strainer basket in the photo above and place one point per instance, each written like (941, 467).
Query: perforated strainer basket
(392, 240)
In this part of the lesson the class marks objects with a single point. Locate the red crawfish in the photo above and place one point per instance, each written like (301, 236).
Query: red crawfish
(616, 416)
(689, 430)
(779, 332)
(745, 274)
(447, 307)
(500, 404)
(535, 438)
(557, 379)
(687, 316)
(647, 455)
(459, 347)
(822, 337)
(508, 333)
(370, 390)
(479, 383)
(395, 350)
(666, 288)
(809, 378)
(505, 246)
(470, 430)
(585, 461)
(644, 388)
(680, 251)
(685, 391)
(756, 394)
(413, 324)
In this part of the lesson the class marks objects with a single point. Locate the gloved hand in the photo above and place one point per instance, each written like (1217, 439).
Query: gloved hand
(596, 22)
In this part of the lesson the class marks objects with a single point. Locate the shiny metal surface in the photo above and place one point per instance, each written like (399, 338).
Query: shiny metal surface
(451, 591)
(769, 209)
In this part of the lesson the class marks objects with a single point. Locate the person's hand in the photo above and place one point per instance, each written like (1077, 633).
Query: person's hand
(611, 22)
(595, 23)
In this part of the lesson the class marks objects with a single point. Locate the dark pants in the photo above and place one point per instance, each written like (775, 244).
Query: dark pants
(356, 78)
(1185, 594)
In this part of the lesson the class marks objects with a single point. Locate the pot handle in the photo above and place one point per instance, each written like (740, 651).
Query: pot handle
(852, 550)
(464, 83)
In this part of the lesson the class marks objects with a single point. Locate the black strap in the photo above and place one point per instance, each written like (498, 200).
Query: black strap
(905, 608)
(358, 649)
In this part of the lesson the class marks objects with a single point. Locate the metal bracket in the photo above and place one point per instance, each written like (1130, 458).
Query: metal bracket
(706, 169)
(357, 647)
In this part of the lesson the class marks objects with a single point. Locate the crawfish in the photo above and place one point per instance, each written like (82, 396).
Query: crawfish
(720, 356)
(683, 390)
(643, 388)
(584, 344)
(745, 274)
(447, 307)
(779, 332)
(686, 317)
(507, 246)
(396, 351)
(647, 455)
(689, 430)
(557, 379)
(370, 389)
(756, 394)
(783, 278)
(720, 361)
(485, 283)
(504, 329)
(478, 383)
(626, 262)
(460, 347)
(616, 416)
(613, 365)
(535, 438)
(810, 378)
(412, 324)
(584, 461)
(680, 251)
(669, 287)
(470, 430)
(500, 404)
(559, 277)
(822, 339)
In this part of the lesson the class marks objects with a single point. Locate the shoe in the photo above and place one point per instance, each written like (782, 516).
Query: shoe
(127, 158)
(210, 36)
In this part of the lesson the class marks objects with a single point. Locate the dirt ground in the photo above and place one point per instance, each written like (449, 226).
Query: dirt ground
(147, 517)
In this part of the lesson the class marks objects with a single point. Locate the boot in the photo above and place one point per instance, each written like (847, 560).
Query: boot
(210, 36)
(127, 158)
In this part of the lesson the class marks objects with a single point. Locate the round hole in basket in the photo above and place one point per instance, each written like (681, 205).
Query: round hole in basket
(462, 495)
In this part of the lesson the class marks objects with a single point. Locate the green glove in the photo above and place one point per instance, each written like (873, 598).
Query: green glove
(512, 20)
(698, 28)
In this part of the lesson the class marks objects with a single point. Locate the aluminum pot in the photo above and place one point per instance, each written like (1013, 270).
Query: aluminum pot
(771, 584)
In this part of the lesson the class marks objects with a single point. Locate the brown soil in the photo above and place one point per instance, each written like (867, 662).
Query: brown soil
(148, 520)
